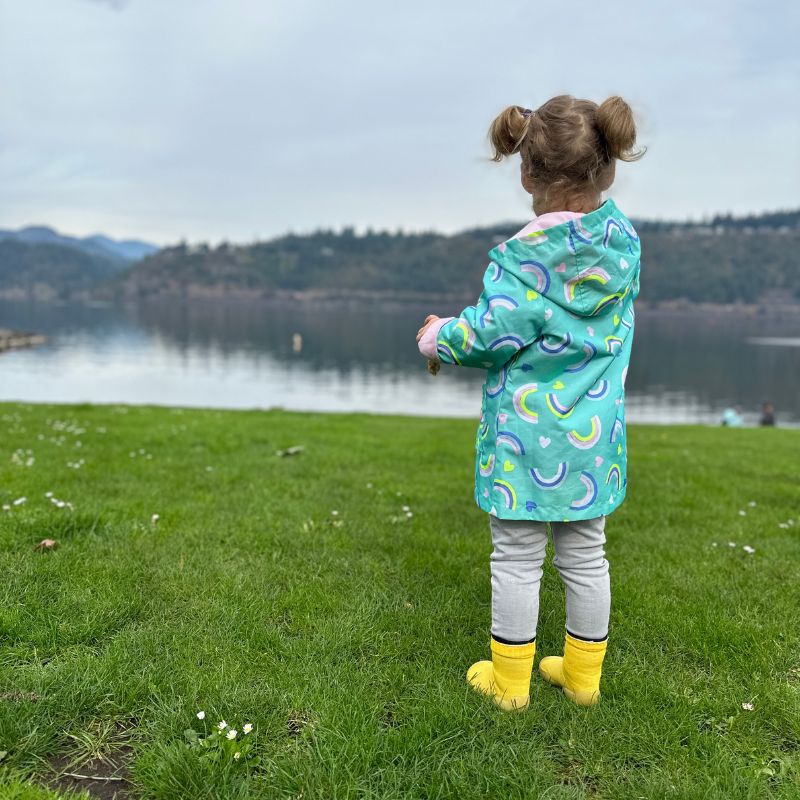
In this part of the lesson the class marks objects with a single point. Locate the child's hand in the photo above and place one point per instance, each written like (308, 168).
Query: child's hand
(431, 318)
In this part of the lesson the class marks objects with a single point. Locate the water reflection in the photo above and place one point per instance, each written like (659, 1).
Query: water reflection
(685, 367)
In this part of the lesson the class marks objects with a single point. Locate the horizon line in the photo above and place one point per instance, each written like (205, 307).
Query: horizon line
(364, 228)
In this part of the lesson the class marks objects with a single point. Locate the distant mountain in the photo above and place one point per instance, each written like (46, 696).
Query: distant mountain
(43, 270)
(97, 245)
(722, 260)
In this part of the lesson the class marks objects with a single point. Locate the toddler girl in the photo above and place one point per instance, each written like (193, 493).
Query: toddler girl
(553, 329)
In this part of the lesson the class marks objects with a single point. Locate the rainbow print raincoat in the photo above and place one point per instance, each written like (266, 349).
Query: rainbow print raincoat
(553, 328)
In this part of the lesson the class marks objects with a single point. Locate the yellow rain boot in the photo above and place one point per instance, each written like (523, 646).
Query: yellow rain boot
(578, 671)
(507, 677)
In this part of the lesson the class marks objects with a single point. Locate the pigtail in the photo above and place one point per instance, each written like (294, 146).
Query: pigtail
(616, 125)
(507, 131)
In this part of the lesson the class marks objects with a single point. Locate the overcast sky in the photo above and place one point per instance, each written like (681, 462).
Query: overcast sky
(238, 119)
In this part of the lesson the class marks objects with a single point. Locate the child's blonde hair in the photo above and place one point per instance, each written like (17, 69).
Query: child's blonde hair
(568, 146)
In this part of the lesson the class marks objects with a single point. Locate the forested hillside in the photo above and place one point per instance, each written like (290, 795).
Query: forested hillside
(724, 261)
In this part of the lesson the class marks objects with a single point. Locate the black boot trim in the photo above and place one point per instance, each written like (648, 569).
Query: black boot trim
(581, 639)
(501, 640)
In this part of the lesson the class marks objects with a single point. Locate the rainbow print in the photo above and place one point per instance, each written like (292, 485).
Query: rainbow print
(589, 274)
(469, 335)
(629, 231)
(589, 440)
(559, 409)
(483, 428)
(534, 237)
(497, 272)
(554, 481)
(506, 490)
(613, 344)
(611, 226)
(512, 441)
(591, 492)
(497, 301)
(581, 232)
(541, 273)
(614, 474)
(446, 352)
(486, 468)
(617, 429)
(626, 323)
(590, 351)
(599, 391)
(494, 389)
(576, 233)
(509, 340)
(608, 300)
(520, 396)
(560, 346)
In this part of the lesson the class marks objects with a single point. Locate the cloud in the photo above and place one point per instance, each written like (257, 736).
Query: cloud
(237, 119)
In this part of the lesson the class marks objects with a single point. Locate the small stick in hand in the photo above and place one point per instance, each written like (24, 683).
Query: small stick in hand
(433, 366)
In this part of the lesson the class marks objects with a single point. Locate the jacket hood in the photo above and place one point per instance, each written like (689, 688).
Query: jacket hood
(585, 265)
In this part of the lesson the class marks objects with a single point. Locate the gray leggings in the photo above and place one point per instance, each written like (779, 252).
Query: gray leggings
(516, 565)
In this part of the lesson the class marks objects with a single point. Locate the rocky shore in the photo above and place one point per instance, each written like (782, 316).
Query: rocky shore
(14, 340)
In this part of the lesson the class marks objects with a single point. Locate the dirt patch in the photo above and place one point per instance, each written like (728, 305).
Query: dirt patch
(297, 723)
(389, 719)
(98, 761)
(105, 778)
(19, 697)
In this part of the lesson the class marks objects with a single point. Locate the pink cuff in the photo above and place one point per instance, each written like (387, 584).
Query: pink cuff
(427, 344)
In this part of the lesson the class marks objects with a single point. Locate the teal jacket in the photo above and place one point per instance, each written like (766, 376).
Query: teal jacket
(553, 328)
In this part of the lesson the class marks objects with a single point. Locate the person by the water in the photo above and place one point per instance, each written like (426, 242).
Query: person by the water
(553, 329)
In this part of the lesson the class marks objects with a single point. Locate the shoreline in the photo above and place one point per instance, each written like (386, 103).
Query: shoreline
(181, 408)
(359, 299)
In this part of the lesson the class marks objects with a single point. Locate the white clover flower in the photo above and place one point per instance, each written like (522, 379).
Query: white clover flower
(222, 725)
(748, 706)
(714, 544)
(335, 513)
(742, 512)
(201, 715)
(752, 504)
(409, 514)
(20, 501)
(237, 756)
(154, 519)
(247, 727)
(748, 549)
(406, 508)
(731, 544)
(369, 486)
(231, 734)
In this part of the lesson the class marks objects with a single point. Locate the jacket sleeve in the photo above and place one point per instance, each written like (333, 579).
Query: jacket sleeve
(507, 317)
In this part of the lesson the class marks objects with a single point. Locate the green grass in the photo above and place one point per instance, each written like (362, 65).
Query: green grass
(345, 638)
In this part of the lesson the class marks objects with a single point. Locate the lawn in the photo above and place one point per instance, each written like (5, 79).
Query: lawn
(334, 599)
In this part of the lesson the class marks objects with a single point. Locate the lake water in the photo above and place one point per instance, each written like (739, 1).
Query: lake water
(685, 367)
